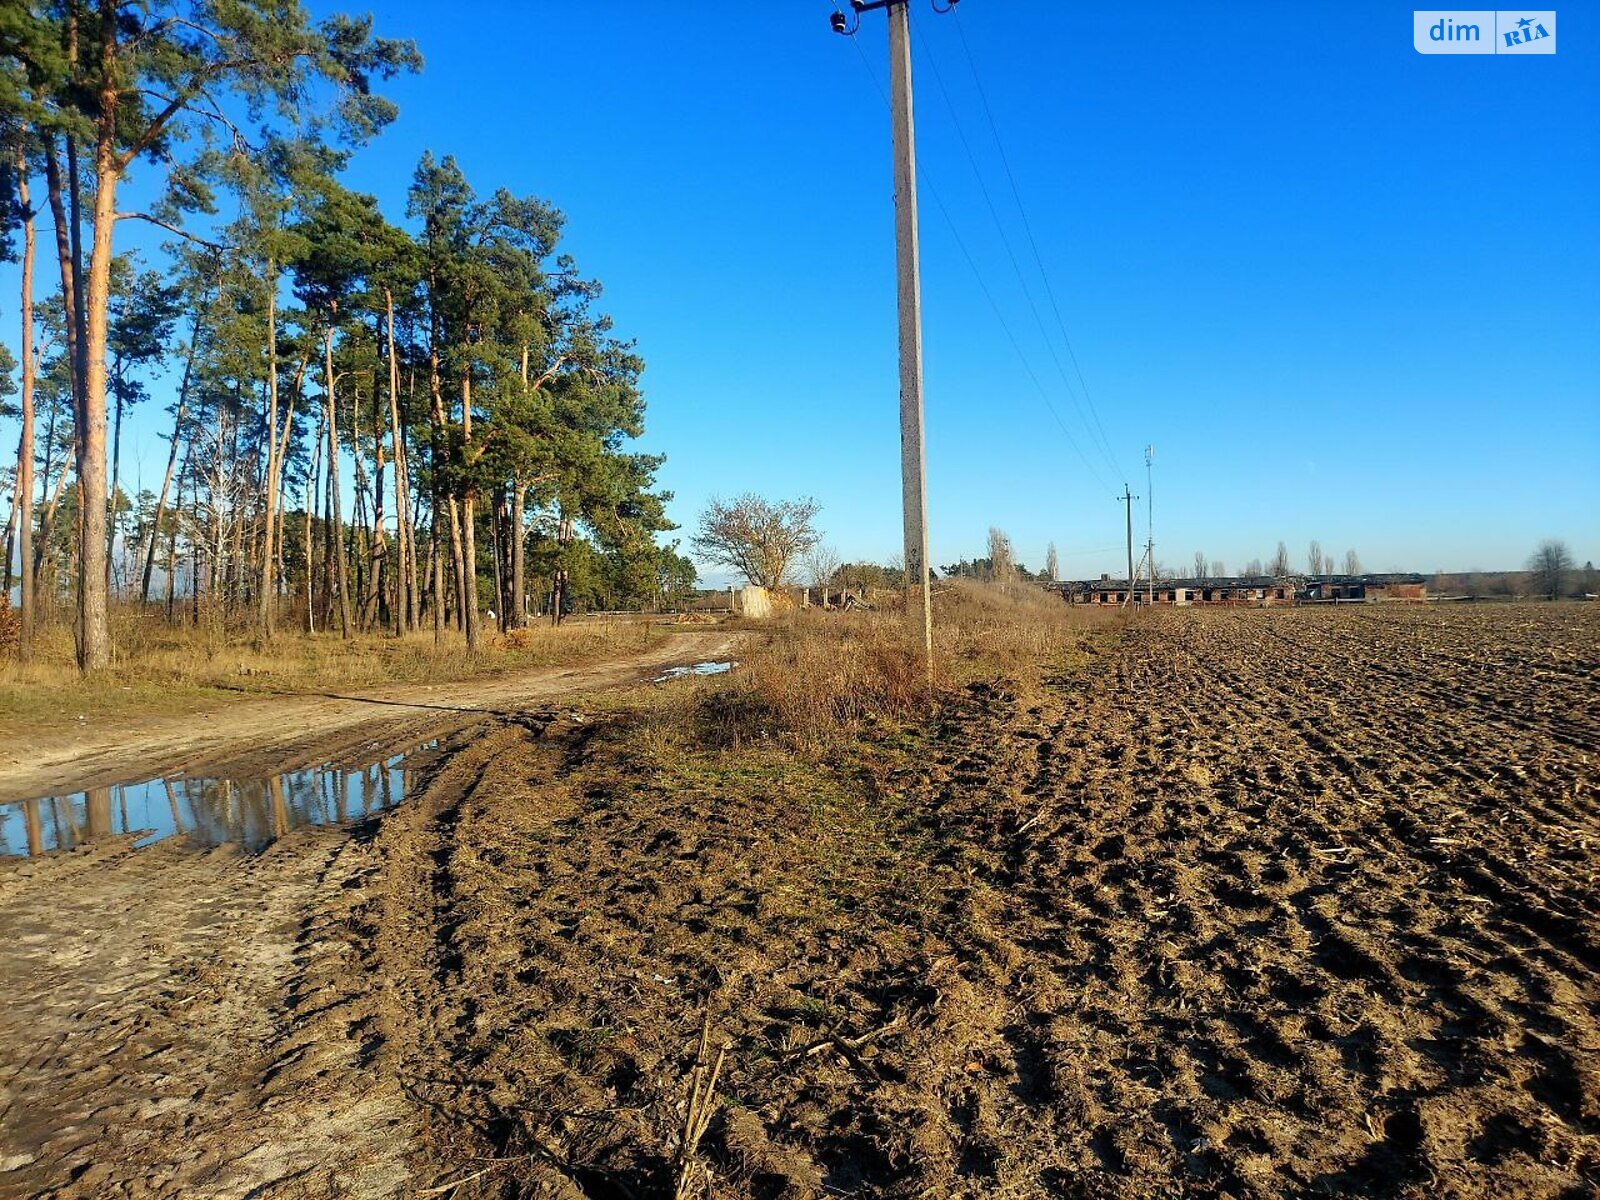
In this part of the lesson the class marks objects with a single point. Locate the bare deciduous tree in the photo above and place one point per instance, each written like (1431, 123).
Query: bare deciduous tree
(1352, 563)
(1280, 562)
(1253, 569)
(1219, 569)
(755, 537)
(1052, 565)
(822, 563)
(1200, 565)
(1316, 563)
(1001, 560)
(1549, 565)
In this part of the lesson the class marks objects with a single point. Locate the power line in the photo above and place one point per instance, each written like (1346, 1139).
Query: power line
(1033, 242)
(983, 286)
(1016, 267)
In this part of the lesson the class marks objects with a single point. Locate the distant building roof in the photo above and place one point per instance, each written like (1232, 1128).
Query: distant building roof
(1379, 579)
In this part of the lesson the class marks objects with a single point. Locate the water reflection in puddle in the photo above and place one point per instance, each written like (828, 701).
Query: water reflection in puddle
(704, 668)
(211, 811)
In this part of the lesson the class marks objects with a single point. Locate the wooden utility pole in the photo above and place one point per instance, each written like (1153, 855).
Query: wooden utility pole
(913, 457)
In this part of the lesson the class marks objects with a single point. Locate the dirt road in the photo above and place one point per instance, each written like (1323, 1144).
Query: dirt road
(166, 1034)
(265, 736)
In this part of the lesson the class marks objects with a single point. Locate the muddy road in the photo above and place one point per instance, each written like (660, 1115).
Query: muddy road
(1259, 904)
(262, 736)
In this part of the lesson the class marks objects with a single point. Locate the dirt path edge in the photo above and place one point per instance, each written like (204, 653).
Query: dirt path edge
(279, 733)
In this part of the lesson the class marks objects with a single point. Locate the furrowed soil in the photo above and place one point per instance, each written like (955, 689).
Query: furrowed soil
(1235, 903)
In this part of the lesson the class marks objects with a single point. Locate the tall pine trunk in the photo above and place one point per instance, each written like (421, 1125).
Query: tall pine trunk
(443, 492)
(161, 500)
(114, 487)
(172, 558)
(341, 565)
(24, 501)
(94, 632)
(266, 610)
(377, 542)
(276, 483)
(497, 553)
(311, 545)
(436, 571)
(519, 585)
(11, 531)
(468, 517)
(405, 576)
(172, 457)
(55, 193)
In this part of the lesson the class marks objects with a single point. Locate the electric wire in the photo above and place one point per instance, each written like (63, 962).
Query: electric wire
(984, 288)
(1033, 242)
(977, 173)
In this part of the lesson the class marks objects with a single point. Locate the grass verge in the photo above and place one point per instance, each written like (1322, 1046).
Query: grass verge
(818, 680)
(163, 669)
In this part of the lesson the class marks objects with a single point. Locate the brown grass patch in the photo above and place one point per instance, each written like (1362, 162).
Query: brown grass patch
(817, 677)
(164, 668)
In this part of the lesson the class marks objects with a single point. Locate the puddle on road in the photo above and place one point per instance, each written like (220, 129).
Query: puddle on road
(210, 811)
(704, 668)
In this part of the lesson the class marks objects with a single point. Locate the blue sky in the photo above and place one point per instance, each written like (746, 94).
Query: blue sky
(1348, 291)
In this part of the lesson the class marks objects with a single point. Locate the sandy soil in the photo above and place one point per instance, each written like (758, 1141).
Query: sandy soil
(170, 1030)
(1261, 904)
(261, 736)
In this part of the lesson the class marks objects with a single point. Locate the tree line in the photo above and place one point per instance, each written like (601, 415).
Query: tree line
(442, 373)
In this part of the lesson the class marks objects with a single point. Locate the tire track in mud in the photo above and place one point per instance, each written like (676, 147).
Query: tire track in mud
(187, 1024)
(151, 1050)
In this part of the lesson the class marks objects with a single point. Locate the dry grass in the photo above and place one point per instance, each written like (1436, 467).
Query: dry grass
(819, 676)
(162, 668)
(10, 625)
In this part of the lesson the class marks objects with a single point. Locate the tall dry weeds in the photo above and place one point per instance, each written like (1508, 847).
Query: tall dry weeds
(816, 677)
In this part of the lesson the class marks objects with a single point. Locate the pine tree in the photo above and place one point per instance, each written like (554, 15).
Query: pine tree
(135, 82)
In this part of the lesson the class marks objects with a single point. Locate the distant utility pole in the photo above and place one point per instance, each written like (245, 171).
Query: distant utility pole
(1150, 520)
(1127, 499)
(913, 457)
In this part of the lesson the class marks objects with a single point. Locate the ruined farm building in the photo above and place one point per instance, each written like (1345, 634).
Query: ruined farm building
(1258, 591)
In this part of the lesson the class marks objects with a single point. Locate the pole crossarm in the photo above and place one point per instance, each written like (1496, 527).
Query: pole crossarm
(841, 23)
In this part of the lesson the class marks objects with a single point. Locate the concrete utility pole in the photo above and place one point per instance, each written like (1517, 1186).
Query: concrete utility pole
(1127, 499)
(1150, 520)
(913, 457)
